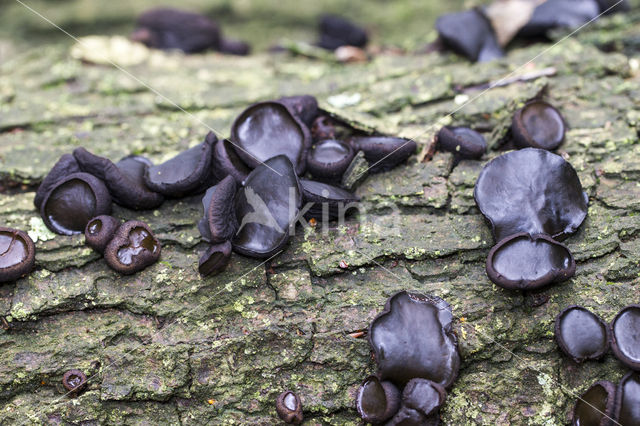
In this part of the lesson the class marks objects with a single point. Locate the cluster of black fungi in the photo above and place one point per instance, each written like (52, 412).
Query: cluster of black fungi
(249, 181)
(582, 335)
(416, 352)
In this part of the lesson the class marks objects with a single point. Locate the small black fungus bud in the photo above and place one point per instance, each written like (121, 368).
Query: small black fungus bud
(328, 159)
(99, 231)
(377, 401)
(462, 141)
(336, 31)
(219, 222)
(73, 201)
(625, 336)
(597, 406)
(538, 125)
(581, 334)
(186, 173)
(305, 107)
(383, 152)
(268, 129)
(289, 408)
(215, 258)
(65, 166)
(74, 381)
(133, 248)
(17, 254)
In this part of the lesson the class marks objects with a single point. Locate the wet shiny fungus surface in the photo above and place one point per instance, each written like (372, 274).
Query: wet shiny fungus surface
(626, 336)
(17, 254)
(596, 406)
(377, 401)
(629, 399)
(581, 334)
(133, 248)
(538, 125)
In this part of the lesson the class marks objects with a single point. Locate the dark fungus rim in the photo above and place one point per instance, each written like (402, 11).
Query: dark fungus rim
(285, 413)
(521, 135)
(634, 365)
(612, 402)
(121, 239)
(16, 271)
(563, 346)
(392, 396)
(329, 169)
(74, 390)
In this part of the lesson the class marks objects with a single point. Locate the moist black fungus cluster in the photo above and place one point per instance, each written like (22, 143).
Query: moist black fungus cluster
(605, 404)
(416, 352)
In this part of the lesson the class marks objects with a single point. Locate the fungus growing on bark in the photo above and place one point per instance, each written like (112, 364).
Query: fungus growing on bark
(215, 258)
(124, 179)
(538, 125)
(64, 167)
(628, 399)
(226, 162)
(73, 201)
(328, 159)
(581, 334)
(305, 107)
(323, 128)
(17, 254)
(526, 262)
(99, 231)
(625, 336)
(377, 401)
(327, 201)
(421, 401)
(463, 142)
(597, 406)
(336, 31)
(219, 222)
(133, 248)
(469, 33)
(74, 381)
(289, 408)
(266, 206)
(384, 152)
(268, 129)
(413, 338)
(186, 173)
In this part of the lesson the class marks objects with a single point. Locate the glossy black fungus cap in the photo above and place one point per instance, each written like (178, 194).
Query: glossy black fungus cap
(214, 259)
(266, 206)
(384, 152)
(65, 166)
(184, 174)
(597, 406)
(424, 396)
(336, 31)
(133, 248)
(323, 128)
(74, 381)
(268, 129)
(462, 141)
(167, 28)
(124, 179)
(99, 231)
(530, 190)
(219, 221)
(323, 200)
(469, 33)
(538, 125)
(305, 107)
(628, 400)
(226, 162)
(17, 254)
(409, 417)
(289, 408)
(625, 336)
(581, 334)
(413, 337)
(558, 13)
(328, 159)
(526, 262)
(377, 401)
(73, 201)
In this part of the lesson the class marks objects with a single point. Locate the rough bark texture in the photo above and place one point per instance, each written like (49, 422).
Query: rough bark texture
(165, 346)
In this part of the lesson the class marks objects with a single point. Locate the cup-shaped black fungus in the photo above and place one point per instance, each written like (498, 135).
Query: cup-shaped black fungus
(219, 222)
(266, 206)
(184, 174)
(226, 162)
(336, 31)
(74, 381)
(289, 408)
(597, 406)
(377, 401)
(581, 334)
(305, 107)
(538, 125)
(17, 254)
(167, 28)
(99, 231)
(526, 262)
(558, 13)
(462, 141)
(628, 400)
(133, 248)
(625, 336)
(424, 396)
(65, 166)
(73, 201)
(325, 201)
(469, 33)
(409, 417)
(328, 159)
(268, 129)
(124, 179)
(531, 190)
(384, 152)
(413, 337)
(214, 259)
(323, 127)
